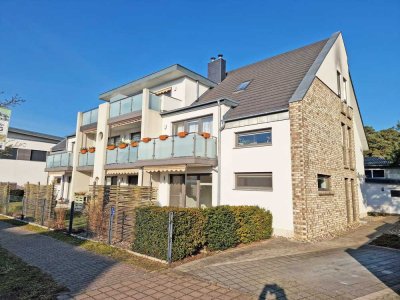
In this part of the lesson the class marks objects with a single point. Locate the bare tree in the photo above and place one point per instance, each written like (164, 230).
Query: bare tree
(11, 102)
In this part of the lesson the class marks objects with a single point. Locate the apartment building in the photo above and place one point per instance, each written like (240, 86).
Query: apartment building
(24, 158)
(284, 133)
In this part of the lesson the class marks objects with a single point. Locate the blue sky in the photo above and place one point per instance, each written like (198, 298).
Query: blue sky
(60, 55)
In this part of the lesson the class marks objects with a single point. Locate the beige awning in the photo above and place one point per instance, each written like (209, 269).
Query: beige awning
(173, 168)
(163, 91)
(122, 172)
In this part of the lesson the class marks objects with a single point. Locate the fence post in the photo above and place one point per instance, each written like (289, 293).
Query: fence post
(71, 217)
(43, 210)
(110, 224)
(170, 233)
(123, 226)
(7, 198)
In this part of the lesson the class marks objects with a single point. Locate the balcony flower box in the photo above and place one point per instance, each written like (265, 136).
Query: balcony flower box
(163, 137)
(134, 144)
(205, 135)
(146, 140)
(182, 134)
(92, 149)
(122, 145)
(111, 147)
(84, 150)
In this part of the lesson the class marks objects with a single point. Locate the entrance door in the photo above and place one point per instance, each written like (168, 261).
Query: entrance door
(176, 192)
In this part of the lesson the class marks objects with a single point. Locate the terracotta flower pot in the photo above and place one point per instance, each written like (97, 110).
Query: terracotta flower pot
(182, 134)
(123, 145)
(84, 151)
(92, 149)
(206, 135)
(134, 144)
(146, 140)
(111, 147)
(163, 137)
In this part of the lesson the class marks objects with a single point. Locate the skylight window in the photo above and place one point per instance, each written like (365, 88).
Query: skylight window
(242, 86)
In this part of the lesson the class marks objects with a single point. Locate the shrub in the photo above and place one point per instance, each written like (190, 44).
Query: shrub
(151, 232)
(254, 223)
(220, 228)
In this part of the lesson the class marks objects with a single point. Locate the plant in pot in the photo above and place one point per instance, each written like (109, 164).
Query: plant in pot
(205, 135)
(84, 150)
(182, 134)
(134, 143)
(111, 146)
(163, 137)
(123, 144)
(92, 149)
(146, 140)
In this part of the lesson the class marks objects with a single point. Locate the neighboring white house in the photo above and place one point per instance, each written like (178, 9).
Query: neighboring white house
(284, 133)
(381, 189)
(24, 159)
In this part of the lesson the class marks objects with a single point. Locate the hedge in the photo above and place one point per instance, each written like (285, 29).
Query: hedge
(220, 228)
(217, 228)
(151, 232)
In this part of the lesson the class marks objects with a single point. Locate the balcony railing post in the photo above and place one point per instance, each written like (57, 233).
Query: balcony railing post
(205, 147)
(173, 146)
(116, 156)
(154, 149)
(131, 104)
(194, 144)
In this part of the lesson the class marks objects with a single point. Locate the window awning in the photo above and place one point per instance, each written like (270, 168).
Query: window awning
(173, 168)
(163, 91)
(122, 172)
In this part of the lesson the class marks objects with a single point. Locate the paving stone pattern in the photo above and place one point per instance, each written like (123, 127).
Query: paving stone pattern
(91, 276)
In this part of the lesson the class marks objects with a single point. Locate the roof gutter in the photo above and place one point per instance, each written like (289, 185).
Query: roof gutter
(228, 102)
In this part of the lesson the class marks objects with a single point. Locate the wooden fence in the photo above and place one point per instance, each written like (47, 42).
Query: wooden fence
(4, 194)
(111, 211)
(39, 203)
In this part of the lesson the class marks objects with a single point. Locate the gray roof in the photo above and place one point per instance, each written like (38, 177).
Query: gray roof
(373, 161)
(274, 81)
(23, 132)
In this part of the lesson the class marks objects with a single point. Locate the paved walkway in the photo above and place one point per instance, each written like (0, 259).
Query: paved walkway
(91, 276)
(343, 268)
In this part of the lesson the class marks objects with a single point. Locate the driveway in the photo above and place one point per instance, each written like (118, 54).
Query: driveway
(342, 268)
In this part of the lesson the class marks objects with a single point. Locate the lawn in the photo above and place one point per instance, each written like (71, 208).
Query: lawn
(19, 280)
(95, 247)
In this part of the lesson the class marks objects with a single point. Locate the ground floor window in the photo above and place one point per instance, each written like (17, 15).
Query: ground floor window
(133, 180)
(195, 192)
(253, 181)
(111, 180)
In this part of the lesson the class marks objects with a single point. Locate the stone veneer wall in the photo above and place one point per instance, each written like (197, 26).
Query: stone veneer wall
(317, 148)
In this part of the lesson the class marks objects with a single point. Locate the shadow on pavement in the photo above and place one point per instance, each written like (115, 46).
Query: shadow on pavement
(272, 291)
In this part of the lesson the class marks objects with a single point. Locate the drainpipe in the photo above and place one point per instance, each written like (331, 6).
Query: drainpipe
(219, 154)
(197, 90)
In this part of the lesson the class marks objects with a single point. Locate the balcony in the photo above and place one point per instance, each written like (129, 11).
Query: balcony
(86, 161)
(59, 162)
(89, 119)
(125, 108)
(193, 149)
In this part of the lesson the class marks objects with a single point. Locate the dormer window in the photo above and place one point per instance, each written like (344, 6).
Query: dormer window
(242, 86)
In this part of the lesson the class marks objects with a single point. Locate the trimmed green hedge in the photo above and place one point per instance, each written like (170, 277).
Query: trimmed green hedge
(217, 228)
(220, 228)
(151, 232)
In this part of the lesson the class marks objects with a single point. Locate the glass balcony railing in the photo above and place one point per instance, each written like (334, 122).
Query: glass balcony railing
(58, 160)
(86, 160)
(193, 145)
(90, 117)
(126, 106)
(155, 102)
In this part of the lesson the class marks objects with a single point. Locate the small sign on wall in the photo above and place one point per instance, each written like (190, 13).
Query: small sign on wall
(5, 115)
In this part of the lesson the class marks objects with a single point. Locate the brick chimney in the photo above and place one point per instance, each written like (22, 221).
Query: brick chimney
(217, 69)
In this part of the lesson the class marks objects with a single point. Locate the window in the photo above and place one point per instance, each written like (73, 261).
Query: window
(203, 124)
(135, 136)
(344, 90)
(8, 153)
(37, 155)
(254, 138)
(253, 181)
(375, 173)
(111, 180)
(324, 183)
(114, 140)
(339, 88)
(133, 180)
(395, 193)
(24, 154)
(242, 86)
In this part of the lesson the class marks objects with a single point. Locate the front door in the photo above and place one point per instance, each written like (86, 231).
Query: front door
(176, 192)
